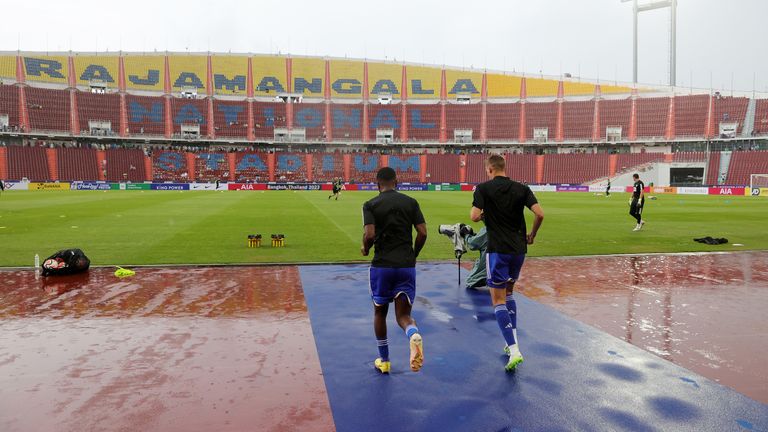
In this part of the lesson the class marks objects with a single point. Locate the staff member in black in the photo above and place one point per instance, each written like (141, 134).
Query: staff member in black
(638, 200)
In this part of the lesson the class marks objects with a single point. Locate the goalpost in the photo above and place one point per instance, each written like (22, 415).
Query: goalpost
(758, 184)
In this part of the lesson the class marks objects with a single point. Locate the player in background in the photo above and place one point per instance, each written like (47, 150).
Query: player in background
(608, 188)
(499, 202)
(388, 221)
(637, 202)
(337, 186)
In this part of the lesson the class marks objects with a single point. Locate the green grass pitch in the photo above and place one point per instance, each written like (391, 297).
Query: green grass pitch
(191, 227)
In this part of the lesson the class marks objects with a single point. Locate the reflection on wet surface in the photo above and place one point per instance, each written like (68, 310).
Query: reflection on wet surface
(95, 352)
(705, 312)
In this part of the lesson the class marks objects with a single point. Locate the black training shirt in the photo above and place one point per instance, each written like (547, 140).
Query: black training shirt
(394, 215)
(502, 201)
(639, 185)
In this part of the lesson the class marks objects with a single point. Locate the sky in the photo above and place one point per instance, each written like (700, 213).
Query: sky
(720, 43)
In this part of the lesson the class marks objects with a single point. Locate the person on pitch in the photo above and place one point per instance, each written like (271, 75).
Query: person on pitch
(637, 202)
(499, 203)
(388, 221)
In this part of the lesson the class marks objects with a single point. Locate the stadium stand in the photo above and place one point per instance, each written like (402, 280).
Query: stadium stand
(578, 119)
(503, 121)
(729, 109)
(170, 166)
(363, 168)
(28, 162)
(407, 167)
(521, 167)
(347, 121)
(476, 168)
(615, 113)
(691, 115)
(189, 112)
(268, 116)
(211, 166)
(327, 166)
(48, 109)
(541, 115)
(230, 119)
(651, 116)
(290, 167)
(424, 122)
(311, 116)
(761, 117)
(689, 157)
(459, 116)
(384, 117)
(9, 104)
(77, 164)
(251, 167)
(125, 165)
(574, 168)
(146, 115)
(713, 168)
(98, 107)
(443, 168)
(627, 161)
(744, 163)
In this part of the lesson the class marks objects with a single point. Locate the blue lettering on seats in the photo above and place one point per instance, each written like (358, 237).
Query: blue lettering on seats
(37, 67)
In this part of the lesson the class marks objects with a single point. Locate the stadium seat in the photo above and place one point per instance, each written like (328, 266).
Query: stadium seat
(211, 166)
(541, 115)
(729, 109)
(146, 115)
(347, 122)
(231, 118)
(615, 113)
(189, 112)
(101, 107)
(27, 162)
(48, 109)
(169, 166)
(424, 123)
(503, 121)
(745, 163)
(629, 161)
(363, 167)
(267, 116)
(578, 119)
(77, 164)
(251, 167)
(461, 116)
(761, 117)
(691, 115)
(327, 166)
(652, 116)
(713, 169)
(443, 168)
(574, 168)
(125, 165)
(290, 167)
(9, 104)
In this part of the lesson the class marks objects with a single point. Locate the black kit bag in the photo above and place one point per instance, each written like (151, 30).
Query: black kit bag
(66, 262)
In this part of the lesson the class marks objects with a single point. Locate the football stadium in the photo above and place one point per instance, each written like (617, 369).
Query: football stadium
(210, 241)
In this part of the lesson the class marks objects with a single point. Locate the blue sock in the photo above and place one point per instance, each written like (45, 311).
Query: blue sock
(512, 307)
(411, 330)
(383, 349)
(505, 324)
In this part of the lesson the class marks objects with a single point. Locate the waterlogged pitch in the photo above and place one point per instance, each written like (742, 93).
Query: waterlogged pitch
(182, 227)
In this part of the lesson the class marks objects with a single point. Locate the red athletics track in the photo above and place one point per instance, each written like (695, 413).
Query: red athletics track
(705, 312)
(216, 349)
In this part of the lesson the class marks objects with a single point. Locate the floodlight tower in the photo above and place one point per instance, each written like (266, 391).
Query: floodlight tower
(652, 5)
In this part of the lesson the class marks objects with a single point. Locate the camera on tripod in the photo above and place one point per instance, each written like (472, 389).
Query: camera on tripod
(458, 234)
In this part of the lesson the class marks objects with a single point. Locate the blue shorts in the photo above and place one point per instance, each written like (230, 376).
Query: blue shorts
(502, 268)
(388, 283)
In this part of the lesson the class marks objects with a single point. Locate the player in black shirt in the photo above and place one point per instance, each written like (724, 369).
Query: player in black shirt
(638, 200)
(388, 221)
(337, 184)
(499, 202)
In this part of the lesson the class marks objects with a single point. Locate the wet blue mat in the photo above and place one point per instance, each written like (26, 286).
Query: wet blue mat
(574, 377)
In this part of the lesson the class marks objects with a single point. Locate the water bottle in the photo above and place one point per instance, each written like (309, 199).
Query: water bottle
(37, 261)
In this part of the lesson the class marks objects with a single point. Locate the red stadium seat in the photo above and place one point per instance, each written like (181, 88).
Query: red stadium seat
(503, 121)
(48, 109)
(77, 164)
(28, 162)
(125, 165)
